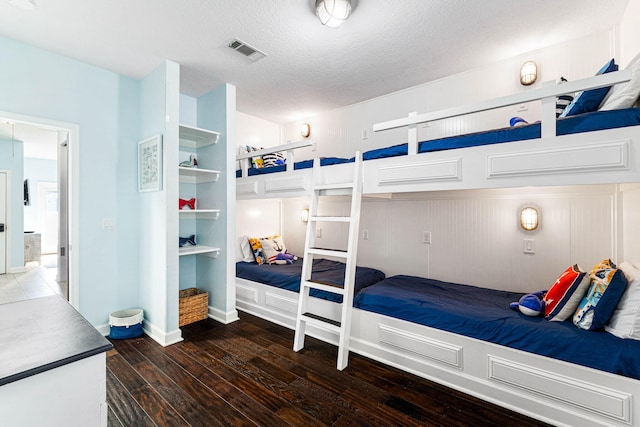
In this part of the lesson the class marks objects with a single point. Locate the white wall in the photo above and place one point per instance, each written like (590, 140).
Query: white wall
(339, 132)
(476, 238)
(631, 221)
(629, 32)
(36, 171)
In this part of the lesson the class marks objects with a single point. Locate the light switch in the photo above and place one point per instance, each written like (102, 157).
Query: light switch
(365, 234)
(426, 237)
(318, 232)
(529, 246)
(108, 223)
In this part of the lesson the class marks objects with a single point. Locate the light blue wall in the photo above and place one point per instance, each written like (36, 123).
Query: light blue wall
(37, 170)
(105, 105)
(11, 159)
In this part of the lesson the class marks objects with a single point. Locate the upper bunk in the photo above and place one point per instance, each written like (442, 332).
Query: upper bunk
(589, 148)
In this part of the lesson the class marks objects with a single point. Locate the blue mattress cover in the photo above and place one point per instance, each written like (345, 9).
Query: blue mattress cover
(485, 314)
(287, 276)
(597, 120)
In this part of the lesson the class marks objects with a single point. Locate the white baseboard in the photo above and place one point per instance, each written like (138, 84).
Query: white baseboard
(223, 317)
(163, 338)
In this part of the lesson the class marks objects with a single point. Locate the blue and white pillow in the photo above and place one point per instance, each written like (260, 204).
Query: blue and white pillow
(589, 100)
(563, 101)
(274, 159)
(607, 285)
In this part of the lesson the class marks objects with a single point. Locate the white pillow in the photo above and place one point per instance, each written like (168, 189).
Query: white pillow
(624, 95)
(243, 250)
(625, 321)
(272, 246)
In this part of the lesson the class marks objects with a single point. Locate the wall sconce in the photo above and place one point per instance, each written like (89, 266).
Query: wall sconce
(304, 215)
(528, 73)
(305, 130)
(332, 13)
(529, 218)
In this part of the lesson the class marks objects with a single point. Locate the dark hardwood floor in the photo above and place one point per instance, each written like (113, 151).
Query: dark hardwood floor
(246, 373)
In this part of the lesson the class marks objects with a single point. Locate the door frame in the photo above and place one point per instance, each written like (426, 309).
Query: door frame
(7, 218)
(74, 193)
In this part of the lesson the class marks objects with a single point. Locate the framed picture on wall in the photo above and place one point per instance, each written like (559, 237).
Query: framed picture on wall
(150, 164)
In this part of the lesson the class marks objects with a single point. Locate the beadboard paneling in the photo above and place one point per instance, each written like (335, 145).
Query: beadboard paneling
(476, 238)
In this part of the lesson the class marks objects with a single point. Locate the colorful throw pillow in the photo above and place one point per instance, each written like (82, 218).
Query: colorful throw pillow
(256, 161)
(274, 159)
(624, 95)
(607, 284)
(565, 294)
(272, 246)
(625, 320)
(256, 248)
(589, 100)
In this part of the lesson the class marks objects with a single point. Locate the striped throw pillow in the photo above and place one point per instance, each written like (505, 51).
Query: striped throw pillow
(274, 159)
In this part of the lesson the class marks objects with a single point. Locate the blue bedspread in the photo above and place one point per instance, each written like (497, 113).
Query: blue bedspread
(288, 276)
(598, 120)
(485, 314)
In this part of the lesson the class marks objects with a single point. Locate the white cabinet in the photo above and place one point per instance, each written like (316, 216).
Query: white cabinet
(197, 182)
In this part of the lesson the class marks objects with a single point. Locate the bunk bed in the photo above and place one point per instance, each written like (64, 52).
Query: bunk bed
(588, 149)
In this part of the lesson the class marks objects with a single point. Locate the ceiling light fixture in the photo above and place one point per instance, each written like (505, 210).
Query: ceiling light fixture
(23, 4)
(332, 13)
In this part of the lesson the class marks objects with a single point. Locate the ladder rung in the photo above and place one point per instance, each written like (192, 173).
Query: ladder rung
(322, 322)
(339, 186)
(331, 218)
(328, 252)
(324, 286)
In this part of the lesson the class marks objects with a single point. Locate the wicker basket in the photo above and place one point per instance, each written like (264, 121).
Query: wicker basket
(194, 306)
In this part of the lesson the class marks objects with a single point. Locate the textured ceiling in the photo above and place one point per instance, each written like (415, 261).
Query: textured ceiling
(384, 46)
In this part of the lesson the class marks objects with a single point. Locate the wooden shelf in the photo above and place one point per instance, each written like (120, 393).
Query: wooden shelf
(193, 137)
(209, 251)
(197, 175)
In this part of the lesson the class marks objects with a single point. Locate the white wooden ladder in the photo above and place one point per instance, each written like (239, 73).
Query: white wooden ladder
(304, 317)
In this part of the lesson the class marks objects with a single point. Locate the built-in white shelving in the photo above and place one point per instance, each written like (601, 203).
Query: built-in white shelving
(199, 250)
(200, 213)
(197, 175)
(193, 137)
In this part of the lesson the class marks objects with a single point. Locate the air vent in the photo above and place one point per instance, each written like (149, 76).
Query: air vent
(249, 51)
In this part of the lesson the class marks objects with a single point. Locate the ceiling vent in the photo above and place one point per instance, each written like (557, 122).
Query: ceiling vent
(249, 51)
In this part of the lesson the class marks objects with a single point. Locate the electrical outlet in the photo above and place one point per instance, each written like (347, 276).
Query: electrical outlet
(108, 223)
(426, 237)
(365, 234)
(314, 146)
(318, 232)
(365, 134)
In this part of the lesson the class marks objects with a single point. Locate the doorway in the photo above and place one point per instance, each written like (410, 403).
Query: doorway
(50, 184)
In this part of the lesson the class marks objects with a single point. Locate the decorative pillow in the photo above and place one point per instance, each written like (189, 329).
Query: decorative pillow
(244, 252)
(274, 159)
(625, 320)
(256, 248)
(563, 101)
(565, 294)
(590, 100)
(272, 246)
(624, 95)
(605, 290)
(256, 161)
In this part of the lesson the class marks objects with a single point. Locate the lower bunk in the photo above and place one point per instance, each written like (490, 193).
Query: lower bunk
(543, 387)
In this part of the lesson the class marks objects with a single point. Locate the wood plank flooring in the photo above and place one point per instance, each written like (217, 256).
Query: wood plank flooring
(246, 373)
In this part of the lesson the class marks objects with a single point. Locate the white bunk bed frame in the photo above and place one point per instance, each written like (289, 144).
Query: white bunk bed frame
(553, 391)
